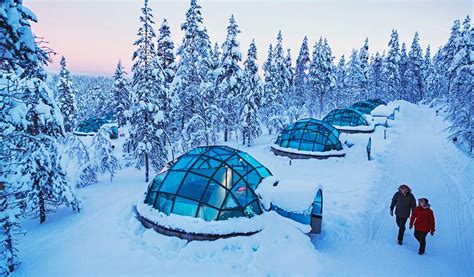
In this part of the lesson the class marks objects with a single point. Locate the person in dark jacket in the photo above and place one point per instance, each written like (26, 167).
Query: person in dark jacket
(404, 203)
(424, 221)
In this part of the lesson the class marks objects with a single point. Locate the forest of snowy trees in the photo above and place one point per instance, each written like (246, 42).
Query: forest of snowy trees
(196, 94)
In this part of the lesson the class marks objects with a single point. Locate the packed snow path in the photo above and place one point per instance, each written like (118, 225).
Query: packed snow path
(359, 235)
(421, 156)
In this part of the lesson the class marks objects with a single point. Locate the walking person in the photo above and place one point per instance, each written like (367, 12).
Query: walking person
(404, 203)
(424, 221)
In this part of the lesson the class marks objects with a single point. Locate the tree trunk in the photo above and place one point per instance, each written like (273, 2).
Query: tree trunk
(147, 167)
(225, 133)
(42, 208)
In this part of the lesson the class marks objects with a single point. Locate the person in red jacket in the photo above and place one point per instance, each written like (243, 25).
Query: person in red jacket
(424, 221)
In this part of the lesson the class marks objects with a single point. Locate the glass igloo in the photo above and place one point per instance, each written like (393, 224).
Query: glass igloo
(90, 126)
(212, 183)
(364, 107)
(377, 101)
(345, 117)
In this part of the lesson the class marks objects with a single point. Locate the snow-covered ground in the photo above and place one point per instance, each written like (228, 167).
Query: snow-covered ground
(358, 238)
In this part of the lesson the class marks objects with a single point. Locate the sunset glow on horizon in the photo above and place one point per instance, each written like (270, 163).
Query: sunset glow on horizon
(94, 35)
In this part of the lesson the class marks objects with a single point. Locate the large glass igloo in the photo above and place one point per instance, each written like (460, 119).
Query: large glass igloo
(212, 183)
(364, 107)
(308, 138)
(90, 126)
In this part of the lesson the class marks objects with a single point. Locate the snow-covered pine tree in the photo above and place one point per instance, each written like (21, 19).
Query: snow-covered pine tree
(288, 95)
(364, 65)
(461, 95)
(253, 94)
(276, 111)
(427, 72)
(99, 105)
(403, 64)
(354, 79)
(301, 79)
(165, 53)
(376, 77)
(121, 94)
(340, 94)
(415, 71)
(391, 74)
(146, 144)
(446, 58)
(78, 153)
(103, 153)
(66, 97)
(269, 92)
(216, 56)
(194, 67)
(321, 75)
(17, 51)
(229, 80)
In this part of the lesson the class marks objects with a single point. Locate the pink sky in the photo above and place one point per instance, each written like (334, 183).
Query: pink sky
(94, 34)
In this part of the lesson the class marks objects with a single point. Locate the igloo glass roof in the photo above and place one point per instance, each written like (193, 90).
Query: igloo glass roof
(212, 183)
(91, 125)
(310, 135)
(364, 107)
(377, 102)
(345, 117)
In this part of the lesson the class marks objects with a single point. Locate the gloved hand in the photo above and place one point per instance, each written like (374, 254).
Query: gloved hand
(391, 212)
(411, 226)
(432, 233)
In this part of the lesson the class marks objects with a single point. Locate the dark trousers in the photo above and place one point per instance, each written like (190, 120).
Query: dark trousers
(401, 222)
(421, 238)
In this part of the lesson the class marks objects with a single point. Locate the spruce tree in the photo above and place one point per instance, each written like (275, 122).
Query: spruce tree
(165, 53)
(415, 70)
(341, 87)
(253, 94)
(391, 74)
(364, 65)
(121, 95)
(354, 79)
(103, 154)
(403, 66)
(461, 96)
(229, 80)
(146, 144)
(321, 75)
(216, 56)
(376, 82)
(301, 85)
(66, 97)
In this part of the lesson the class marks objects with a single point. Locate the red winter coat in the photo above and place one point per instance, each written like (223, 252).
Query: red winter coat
(423, 219)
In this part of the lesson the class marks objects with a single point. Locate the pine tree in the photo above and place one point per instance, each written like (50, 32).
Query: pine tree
(194, 62)
(403, 64)
(376, 83)
(364, 65)
(278, 86)
(461, 99)
(301, 86)
(229, 79)
(165, 53)
(17, 51)
(253, 94)
(78, 152)
(121, 94)
(341, 87)
(321, 75)
(66, 98)
(415, 70)
(104, 157)
(354, 79)
(391, 74)
(427, 72)
(146, 144)
(216, 56)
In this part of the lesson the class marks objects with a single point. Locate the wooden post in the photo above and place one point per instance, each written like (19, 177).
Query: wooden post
(385, 134)
(369, 145)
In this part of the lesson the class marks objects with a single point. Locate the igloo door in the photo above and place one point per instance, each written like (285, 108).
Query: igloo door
(317, 213)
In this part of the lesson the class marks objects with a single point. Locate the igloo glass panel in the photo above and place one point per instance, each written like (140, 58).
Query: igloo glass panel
(207, 213)
(193, 186)
(186, 207)
(172, 181)
(164, 202)
(214, 195)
